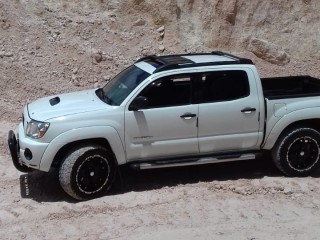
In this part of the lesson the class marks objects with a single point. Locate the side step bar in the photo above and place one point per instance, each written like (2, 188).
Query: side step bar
(190, 162)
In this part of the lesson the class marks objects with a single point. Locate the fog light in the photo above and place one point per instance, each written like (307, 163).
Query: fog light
(28, 154)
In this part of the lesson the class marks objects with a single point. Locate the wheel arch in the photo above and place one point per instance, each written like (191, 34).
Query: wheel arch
(66, 148)
(101, 135)
(279, 129)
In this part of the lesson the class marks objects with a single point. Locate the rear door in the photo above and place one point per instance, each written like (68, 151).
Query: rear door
(169, 126)
(228, 111)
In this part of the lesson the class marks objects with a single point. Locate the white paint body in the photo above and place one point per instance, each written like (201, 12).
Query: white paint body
(221, 127)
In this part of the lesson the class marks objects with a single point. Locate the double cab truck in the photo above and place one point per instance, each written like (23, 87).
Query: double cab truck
(170, 111)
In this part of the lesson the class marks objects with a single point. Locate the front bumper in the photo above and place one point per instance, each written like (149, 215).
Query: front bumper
(14, 150)
(26, 153)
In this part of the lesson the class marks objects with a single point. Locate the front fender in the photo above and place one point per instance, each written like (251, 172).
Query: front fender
(106, 132)
(285, 121)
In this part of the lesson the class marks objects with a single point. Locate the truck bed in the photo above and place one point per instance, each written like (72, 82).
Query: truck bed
(290, 87)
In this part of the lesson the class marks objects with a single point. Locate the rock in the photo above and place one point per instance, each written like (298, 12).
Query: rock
(287, 191)
(268, 51)
(96, 85)
(240, 190)
(106, 77)
(161, 48)
(75, 71)
(286, 30)
(98, 57)
(109, 58)
(160, 29)
(146, 52)
(231, 11)
(140, 22)
(273, 191)
(4, 23)
(76, 83)
(2, 54)
(8, 54)
(279, 188)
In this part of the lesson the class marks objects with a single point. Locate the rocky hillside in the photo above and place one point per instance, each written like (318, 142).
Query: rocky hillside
(48, 47)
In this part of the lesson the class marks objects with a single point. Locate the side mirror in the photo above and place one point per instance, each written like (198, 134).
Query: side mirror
(138, 103)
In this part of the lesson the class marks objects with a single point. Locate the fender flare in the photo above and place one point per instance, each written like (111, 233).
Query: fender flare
(78, 134)
(285, 121)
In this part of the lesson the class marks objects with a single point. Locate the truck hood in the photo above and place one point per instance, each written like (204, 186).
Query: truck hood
(47, 108)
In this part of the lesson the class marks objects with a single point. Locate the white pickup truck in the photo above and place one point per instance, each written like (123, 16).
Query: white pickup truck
(169, 111)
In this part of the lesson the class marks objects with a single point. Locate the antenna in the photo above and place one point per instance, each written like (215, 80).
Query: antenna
(92, 64)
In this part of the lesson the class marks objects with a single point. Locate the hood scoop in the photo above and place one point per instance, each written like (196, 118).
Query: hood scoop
(44, 109)
(54, 101)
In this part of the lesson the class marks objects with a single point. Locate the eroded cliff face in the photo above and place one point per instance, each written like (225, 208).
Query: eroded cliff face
(293, 25)
(189, 25)
(47, 47)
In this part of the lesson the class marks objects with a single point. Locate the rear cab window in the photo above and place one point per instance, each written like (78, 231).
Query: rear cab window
(224, 85)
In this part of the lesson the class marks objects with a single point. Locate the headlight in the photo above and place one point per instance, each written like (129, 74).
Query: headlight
(36, 129)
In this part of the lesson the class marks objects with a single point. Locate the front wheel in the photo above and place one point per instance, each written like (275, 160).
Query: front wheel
(87, 172)
(296, 152)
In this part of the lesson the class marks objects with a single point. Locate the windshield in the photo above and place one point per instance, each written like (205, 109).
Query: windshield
(116, 91)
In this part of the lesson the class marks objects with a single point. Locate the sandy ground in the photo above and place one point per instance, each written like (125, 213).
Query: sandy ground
(49, 47)
(242, 200)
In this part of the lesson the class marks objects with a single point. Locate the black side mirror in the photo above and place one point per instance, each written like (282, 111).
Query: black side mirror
(138, 103)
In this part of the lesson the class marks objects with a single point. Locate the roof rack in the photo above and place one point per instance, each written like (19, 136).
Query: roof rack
(169, 62)
(154, 58)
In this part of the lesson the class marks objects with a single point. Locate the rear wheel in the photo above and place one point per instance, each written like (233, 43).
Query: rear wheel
(87, 172)
(296, 152)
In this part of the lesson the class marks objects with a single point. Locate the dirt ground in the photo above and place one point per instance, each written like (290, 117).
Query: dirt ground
(241, 200)
(50, 47)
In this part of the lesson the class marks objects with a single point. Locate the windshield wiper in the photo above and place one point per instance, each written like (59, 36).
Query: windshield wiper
(108, 100)
(100, 93)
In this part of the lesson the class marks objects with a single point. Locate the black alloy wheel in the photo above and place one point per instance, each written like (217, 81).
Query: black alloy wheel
(297, 151)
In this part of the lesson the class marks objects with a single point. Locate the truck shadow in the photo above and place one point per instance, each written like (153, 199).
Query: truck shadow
(158, 178)
(44, 187)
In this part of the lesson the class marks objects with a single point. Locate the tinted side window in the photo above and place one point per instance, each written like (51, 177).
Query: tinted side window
(169, 91)
(224, 85)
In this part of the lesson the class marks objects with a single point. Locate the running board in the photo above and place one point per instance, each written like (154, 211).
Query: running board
(190, 162)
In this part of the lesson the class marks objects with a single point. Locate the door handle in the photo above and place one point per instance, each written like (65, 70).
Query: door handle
(188, 116)
(248, 110)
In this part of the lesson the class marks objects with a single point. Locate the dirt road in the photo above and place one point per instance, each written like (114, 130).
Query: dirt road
(243, 200)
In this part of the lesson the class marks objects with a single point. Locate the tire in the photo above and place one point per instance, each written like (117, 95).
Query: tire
(87, 172)
(297, 151)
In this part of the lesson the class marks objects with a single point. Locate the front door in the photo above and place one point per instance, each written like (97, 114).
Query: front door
(168, 127)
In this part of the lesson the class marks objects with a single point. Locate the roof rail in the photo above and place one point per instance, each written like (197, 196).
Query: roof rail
(243, 60)
(155, 58)
(166, 64)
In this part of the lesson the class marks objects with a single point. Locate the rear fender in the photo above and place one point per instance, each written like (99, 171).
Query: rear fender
(286, 120)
